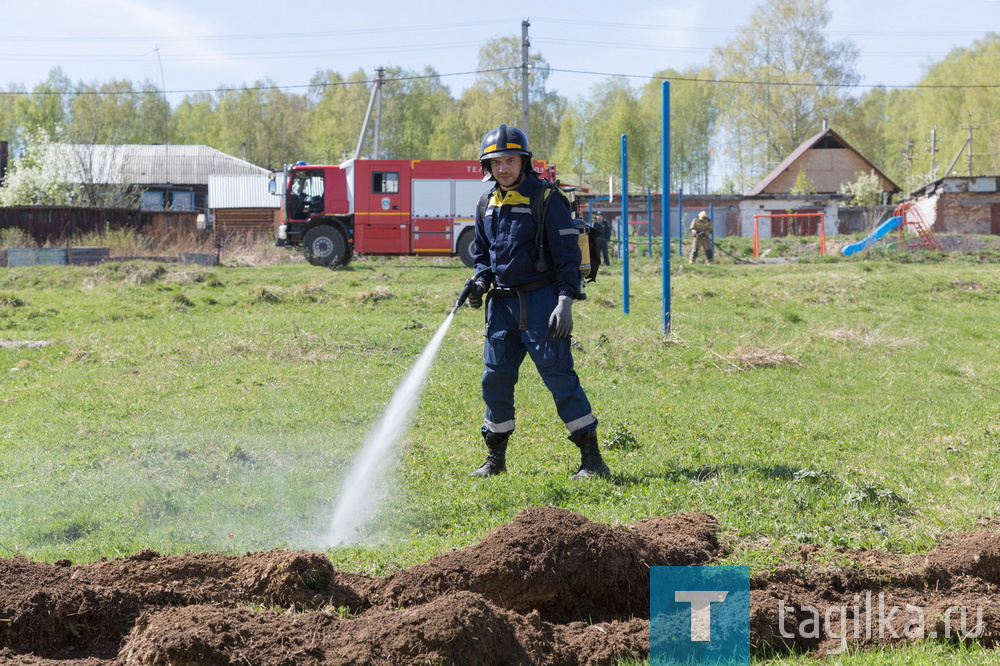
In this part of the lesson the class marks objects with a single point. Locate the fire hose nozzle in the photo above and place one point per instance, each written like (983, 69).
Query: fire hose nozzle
(470, 284)
(463, 295)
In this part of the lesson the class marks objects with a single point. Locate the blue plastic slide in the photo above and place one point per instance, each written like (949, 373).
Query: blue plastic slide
(869, 240)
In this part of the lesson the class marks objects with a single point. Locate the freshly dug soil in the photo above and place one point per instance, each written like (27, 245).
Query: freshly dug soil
(550, 587)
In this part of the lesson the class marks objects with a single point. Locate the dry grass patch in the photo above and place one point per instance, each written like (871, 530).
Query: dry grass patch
(310, 293)
(864, 336)
(11, 301)
(27, 344)
(252, 251)
(751, 358)
(267, 295)
(379, 293)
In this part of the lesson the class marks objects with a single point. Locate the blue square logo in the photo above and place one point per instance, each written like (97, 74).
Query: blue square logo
(699, 615)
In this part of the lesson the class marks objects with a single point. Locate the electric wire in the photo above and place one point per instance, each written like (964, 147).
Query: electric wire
(415, 77)
(560, 23)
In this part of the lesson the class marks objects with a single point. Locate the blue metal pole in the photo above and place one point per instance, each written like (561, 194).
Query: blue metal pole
(618, 232)
(711, 216)
(680, 221)
(665, 205)
(649, 221)
(624, 233)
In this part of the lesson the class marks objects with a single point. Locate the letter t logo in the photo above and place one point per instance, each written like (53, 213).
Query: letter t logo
(701, 611)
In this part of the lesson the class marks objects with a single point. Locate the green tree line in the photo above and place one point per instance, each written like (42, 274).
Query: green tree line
(760, 95)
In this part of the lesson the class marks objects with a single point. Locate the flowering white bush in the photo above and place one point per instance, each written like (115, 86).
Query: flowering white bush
(39, 177)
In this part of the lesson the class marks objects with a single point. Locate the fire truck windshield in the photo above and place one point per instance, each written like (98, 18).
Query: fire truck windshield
(305, 194)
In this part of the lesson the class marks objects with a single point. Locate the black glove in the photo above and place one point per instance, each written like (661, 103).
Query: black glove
(476, 294)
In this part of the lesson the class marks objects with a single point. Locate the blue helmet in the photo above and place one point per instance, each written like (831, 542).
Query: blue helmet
(501, 142)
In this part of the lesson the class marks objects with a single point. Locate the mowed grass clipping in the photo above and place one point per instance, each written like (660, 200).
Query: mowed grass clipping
(837, 403)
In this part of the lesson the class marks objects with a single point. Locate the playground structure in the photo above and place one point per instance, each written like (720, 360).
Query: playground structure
(821, 224)
(906, 218)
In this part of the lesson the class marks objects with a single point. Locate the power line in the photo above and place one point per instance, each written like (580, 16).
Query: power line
(248, 55)
(327, 84)
(282, 35)
(773, 83)
(416, 77)
(696, 49)
(689, 29)
(604, 25)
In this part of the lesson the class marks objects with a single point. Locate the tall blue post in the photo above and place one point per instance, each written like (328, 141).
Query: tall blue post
(649, 221)
(680, 221)
(625, 222)
(711, 216)
(665, 205)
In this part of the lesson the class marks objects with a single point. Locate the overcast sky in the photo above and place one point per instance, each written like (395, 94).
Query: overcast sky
(183, 45)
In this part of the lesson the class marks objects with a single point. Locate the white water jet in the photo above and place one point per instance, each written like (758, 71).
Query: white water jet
(360, 494)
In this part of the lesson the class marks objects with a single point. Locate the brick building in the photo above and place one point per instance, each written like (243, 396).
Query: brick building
(961, 204)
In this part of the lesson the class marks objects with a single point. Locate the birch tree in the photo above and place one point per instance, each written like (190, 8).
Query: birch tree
(783, 76)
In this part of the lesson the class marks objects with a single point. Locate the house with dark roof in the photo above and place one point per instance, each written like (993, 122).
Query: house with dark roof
(829, 163)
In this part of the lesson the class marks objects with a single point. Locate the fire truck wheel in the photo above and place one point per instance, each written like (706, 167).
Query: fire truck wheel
(466, 243)
(326, 246)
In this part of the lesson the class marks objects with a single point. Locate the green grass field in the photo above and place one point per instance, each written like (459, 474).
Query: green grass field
(834, 402)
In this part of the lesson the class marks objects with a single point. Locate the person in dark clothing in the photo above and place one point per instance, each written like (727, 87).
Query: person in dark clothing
(529, 301)
(603, 231)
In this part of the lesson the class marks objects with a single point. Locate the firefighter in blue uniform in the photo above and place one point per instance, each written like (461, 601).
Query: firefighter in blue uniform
(529, 299)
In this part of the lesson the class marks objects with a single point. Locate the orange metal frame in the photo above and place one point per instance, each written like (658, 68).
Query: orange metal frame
(912, 217)
(822, 230)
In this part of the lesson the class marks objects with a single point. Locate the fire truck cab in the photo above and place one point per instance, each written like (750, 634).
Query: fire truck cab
(382, 207)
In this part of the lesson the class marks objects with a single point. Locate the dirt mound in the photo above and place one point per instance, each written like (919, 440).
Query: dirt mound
(549, 587)
(972, 553)
(560, 564)
(460, 628)
(876, 598)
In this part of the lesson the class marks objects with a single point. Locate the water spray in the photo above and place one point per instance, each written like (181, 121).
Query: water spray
(361, 493)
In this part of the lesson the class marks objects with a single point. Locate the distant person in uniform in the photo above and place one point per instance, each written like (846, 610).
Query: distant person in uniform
(701, 229)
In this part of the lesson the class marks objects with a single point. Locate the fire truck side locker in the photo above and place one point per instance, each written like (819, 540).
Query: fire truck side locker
(382, 206)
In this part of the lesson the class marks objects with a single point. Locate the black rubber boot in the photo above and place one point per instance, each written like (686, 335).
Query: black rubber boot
(591, 462)
(496, 456)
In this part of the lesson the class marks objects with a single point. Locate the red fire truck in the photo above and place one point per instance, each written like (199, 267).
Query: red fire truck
(379, 207)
